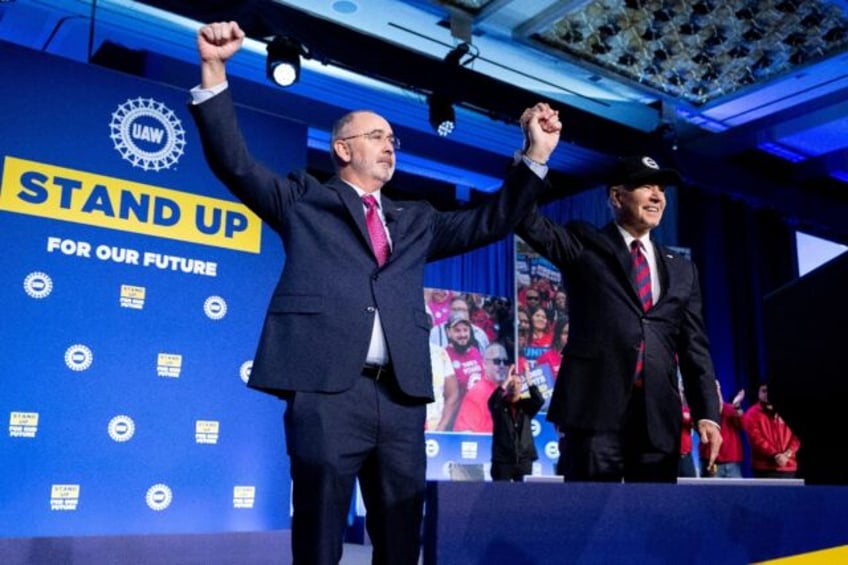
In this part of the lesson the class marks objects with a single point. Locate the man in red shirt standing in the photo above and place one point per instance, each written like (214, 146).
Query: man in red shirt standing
(773, 444)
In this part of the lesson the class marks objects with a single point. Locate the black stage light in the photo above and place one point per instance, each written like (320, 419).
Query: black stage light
(283, 63)
(442, 115)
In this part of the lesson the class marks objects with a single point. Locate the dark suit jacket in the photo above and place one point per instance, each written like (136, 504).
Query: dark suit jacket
(607, 325)
(318, 325)
(512, 438)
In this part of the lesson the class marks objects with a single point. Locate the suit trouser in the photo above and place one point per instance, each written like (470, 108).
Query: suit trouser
(628, 455)
(369, 432)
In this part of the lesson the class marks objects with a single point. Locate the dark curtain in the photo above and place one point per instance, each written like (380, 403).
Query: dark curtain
(743, 253)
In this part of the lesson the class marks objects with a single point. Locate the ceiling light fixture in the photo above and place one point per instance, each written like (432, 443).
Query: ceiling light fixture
(283, 62)
(441, 100)
(442, 115)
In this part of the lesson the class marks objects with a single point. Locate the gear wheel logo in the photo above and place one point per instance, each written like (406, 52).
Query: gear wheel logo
(78, 357)
(121, 428)
(159, 497)
(148, 134)
(38, 285)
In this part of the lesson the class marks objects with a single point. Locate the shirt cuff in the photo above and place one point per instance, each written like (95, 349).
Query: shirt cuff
(540, 169)
(710, 421)
(200, 95)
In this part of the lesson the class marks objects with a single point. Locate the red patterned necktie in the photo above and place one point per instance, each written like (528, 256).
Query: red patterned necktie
(379, 241)
(641, 274)
(642, 277)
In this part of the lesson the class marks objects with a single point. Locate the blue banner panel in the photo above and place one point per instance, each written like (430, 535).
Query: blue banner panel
(133, 288)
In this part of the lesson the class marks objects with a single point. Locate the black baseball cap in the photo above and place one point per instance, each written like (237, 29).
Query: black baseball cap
(641, 169)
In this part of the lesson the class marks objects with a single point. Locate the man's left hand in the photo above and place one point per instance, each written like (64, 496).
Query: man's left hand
(710, 435)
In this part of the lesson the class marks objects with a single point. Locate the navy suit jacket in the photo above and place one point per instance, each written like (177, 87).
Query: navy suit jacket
(318, 325)
(607, 324)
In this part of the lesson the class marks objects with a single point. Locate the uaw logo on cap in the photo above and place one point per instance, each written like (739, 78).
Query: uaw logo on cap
(147, 134)
(38, 285)
(650, 163)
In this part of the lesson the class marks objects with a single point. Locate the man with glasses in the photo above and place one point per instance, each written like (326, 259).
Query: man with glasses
(473, 415)
(353, 283)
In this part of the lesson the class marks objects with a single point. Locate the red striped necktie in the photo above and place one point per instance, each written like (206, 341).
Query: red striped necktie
(376, 230)
(642, 277)
(641, 274)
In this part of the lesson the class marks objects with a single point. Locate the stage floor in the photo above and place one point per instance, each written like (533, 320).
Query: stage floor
(236, 548)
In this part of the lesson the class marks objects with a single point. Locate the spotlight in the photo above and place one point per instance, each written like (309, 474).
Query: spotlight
(283, 63)
(442, 115)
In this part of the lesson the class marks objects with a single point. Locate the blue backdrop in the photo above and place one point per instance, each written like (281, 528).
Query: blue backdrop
(133, 289)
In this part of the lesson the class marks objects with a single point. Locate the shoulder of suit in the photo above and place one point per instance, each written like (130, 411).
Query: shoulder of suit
(669, 253)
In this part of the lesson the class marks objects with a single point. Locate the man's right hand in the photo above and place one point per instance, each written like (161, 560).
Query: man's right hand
(216, 43)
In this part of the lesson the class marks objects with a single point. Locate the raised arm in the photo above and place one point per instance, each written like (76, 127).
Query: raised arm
(216, 43)
(460, 231)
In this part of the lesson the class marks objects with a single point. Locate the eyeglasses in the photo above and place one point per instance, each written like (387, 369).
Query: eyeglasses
(377, 136)
(532, 297)
(499, 361)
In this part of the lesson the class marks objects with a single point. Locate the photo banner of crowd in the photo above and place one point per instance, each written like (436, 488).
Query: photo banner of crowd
(474, 340)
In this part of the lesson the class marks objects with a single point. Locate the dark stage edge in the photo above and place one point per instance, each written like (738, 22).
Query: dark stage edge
(232, 548)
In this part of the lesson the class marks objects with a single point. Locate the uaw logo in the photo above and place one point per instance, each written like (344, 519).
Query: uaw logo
(38, 285)
(64, 497)
(431, 447)
(245, 370)
(147, 134)
(206, 431)
(169, 365)
(23, 424)
(468, 449)
(121, 428)
(215, 307)
(552, 450)
(535, 427)
(159, 497)
(244, 496)
(78, 357)
(133, 296)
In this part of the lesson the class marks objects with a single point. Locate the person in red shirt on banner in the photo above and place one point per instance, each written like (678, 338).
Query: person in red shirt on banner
(474, 415)
(773, 444)
(728, 464)
(541, 331)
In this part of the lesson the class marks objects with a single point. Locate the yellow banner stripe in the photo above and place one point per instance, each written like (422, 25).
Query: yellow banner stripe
(59, 193)
(819, 557)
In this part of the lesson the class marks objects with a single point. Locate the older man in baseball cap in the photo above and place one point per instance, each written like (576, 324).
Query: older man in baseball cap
(635, 319)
